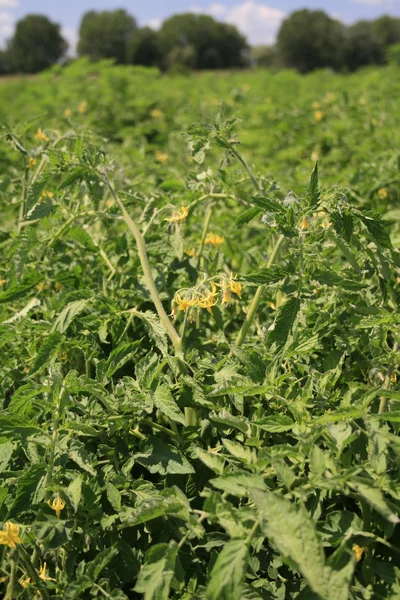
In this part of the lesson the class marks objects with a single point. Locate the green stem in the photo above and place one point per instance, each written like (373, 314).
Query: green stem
(250, 173)
(53, 443)
(13, 577)
(148, 277)
(257, 298)
(386, 384)
(206, 225)
(30, 570)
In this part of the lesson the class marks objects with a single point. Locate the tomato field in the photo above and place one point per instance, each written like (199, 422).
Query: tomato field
(199, 287)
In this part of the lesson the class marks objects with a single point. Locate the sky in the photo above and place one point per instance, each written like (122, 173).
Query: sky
(259, 20)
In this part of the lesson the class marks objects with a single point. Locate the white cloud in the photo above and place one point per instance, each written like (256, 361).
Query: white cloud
(372, 2)
(258, 22)
(6, 26)
(71, 35)
(154, 23)
(9, 3)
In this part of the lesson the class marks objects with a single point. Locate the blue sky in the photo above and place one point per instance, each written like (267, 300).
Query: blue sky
(259, 20)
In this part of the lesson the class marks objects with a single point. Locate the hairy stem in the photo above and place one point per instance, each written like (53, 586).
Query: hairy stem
(386, 384)
(148, 277)
(251, 313)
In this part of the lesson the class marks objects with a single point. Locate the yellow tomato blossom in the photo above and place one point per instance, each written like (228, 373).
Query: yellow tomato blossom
(156, 113)
(162, 157)
(235, 287)
(82, 108)
(383, 193)
(67, 113)
(42, 574)
(9, 536)
(319, 115)
(305, 224)
(209, 299)
(57, 505)
(24, 582)
(191, 252)
(178, 215)
(186, 302)
(214, 239)
(2, 282)
(31, 162)
(358, 551)
(47, 194)
(42, 137)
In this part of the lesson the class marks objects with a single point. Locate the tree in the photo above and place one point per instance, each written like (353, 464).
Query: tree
(362, 46)
(387, 30)
(212, 45)
(310, 40)
(265, 56)
(144, 48)
(36, 45)
(106, 35)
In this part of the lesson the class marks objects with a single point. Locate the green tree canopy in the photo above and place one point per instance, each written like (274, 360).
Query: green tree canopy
(310, 39)
(212, 45)
(36, 44)
(144, 48)
(387, 30)
(106, 34)
(362, 46)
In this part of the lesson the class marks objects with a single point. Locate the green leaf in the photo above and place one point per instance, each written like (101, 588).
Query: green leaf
(113, 496)
(331, 278)
(46, 352)
(378, 230)
(268, 275)
(74, 492)
(213, 461)
(68, 314)
(159, 457)
(120, 356)
(375, 498)
(172, 185)
(293, 532)
(19, 290)
(155, 577)
(165, 403)
(228, 573)
(247, 216)
(28, 481)
(40, 210)
(284, 322)
(314, 195)
(6, 451)
(275, 423)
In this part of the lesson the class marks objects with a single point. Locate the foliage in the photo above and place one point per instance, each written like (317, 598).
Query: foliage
(310, 39)
(144, 48)
(199, 335)
(106, 34)
(209, 43)
(36, 44)
(362, 46)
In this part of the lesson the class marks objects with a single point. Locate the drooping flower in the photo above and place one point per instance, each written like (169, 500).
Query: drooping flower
(319, 115)
(47, 194)
(191, 252)
(156, 113)
(358, 552)
(383, 193)
(57, 505)
(42, 137)
(10, 535)
(31, 162)
(42, 573)
(209, 299)
(178, 215)
(186, 302)
(162, 157)
(82, 108)
(305, 224)
(235, 287)
(214, 239)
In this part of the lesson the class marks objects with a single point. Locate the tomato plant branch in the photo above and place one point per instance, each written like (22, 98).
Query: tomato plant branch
(386, 384)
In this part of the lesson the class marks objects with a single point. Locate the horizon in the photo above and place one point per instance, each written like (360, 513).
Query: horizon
(259, 21)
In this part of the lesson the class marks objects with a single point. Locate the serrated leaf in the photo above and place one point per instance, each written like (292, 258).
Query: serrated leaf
(68, 314)
(314, 195)
(228, 573)
(120, 356)
(74, 492)
(213, 461)
(268, 275)
(378, 230)
(284, 322)
(159, 457)
(156, 330)
(376, 499)
(165, 403)
(6, 451)
(113, 496)
(275, 423)
(247, 216)
(40, 210)
(46, 352)
(156, 575)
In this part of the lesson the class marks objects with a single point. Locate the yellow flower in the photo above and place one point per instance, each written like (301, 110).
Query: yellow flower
(67, 113)
(58, 286)
(10, 535)
(235, 287)
(42, 574)
(31, 162)
(82, 108)
(24, 582)
(2, 282)
(186, 302)
(358, 551)
(41, 136)
(162, 157)
(57, 505)
(47, 194)
(227, 297)
(178, 215)
(191, 252)
(316, 105)
(156, 113)
(383, 193)
(305, 224)
(318, 115)
(208, 300)
(315, 155)
(214, 239)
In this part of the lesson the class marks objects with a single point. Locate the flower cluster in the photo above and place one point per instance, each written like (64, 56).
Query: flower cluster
(214, 239)
(206, 295)
(178, 215)
(10, 535)
(42, 137)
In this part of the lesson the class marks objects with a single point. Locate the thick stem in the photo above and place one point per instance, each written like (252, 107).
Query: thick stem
(257, 298)
(13, 578)
(54, 437)
(148, 277)
(386, 384)
(30, 570)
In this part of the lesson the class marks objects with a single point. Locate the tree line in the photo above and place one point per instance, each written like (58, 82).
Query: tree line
(307, 40)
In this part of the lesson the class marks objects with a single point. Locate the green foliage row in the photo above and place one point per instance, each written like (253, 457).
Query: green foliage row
(199, 336)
